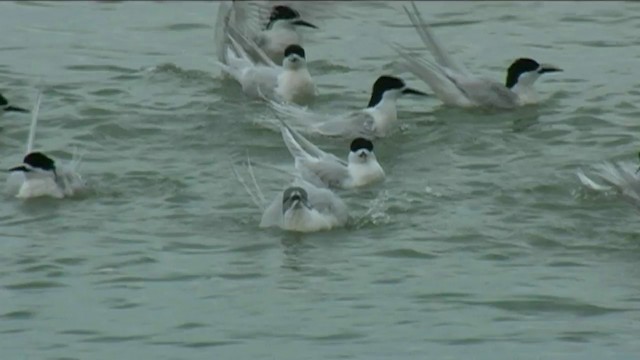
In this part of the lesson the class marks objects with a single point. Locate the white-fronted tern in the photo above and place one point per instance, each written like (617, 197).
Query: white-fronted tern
(377, 120)
(619, 176)
(300, 207)
(38, 175)
(326, 170)
(272, 25)
(456, 86)
(290, 82)
(5, 106)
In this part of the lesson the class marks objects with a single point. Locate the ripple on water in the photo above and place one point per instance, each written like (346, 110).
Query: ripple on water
(19, 315)
(35, 285)
(196, 344)
(405, 254)
(537, 304)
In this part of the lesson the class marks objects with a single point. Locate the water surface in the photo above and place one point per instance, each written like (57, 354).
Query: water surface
(480, 245)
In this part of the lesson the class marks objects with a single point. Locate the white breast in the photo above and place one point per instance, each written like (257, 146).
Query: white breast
(39, 187)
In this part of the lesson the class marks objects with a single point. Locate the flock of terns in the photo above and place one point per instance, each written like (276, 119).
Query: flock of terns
(259, 44)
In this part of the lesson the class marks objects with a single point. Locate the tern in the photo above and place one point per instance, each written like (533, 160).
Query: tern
(290, 82)
(377, 120)
(326, 170)
(273, 26)
(300, 207)
(456, 86)
(38, 175)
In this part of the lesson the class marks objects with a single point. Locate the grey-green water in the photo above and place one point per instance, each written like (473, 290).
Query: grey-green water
(480, 245)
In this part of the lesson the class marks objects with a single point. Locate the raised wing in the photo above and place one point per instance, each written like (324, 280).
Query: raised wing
(439, 53)
(433, 75)
(323, 173)
(305, 145)
(34, 122)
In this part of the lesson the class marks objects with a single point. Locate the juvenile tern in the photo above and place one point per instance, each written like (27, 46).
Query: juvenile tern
(300, 207)
(290, 82)
(38, 175)
(456, 86)
(272, 25)
(619, 176)
(6, 107)
(326, 170)
(377, 120)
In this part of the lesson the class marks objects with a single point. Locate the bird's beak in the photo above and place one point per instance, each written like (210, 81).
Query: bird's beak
(18, 168)
(15, 109)
(304, 23)
(293, 201)
(547, 68)
(414, 92)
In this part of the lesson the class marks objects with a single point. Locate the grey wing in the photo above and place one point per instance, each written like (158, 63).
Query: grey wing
(250, 47)
(423, 30)
(250, 17)
(329, 173)
(622, 177)
(486, 92)
(299, 117)
(325, 200)
(308, 146)
(432, 74)
(261, 81)
(350, 125)
(220, 30)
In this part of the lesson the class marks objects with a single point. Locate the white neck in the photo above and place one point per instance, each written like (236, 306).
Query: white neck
(295, 84)
(385, 114)
(524, 88)
(363, 173)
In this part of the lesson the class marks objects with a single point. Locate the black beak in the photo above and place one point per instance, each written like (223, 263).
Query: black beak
(363, 155)
(15, 109)
(19, 168)
(544, 70)
(414, 92)
(304, 23)
(295, 198)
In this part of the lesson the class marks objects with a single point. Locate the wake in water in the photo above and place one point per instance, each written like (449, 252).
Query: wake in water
(39, 176)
